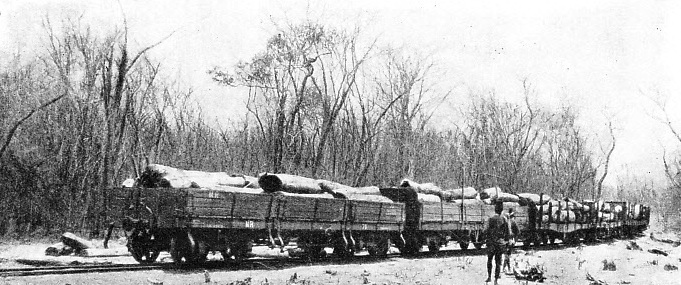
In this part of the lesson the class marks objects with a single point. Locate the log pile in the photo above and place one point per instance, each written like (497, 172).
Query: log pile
(287, 183)
(271, 183)
(495, 194)
(59, 249)
(72, 244)
(423, 188)
(75, 242)
(458, 194)
(161, 176)
(535, 198)
(429, 192)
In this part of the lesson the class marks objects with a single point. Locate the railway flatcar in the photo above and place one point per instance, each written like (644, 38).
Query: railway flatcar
(432, 222)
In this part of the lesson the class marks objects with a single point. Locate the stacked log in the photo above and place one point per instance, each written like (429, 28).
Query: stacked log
(235, 189)
(352, 191)
(423, 188)
(75, 242)
(271, 183)
(495, 194)
(458, 194)
(535, 198)
(637, 212)
(370, 198)
(469, 202)
(129, 183)
(315, 195)
(490, 193)
(156, 175)
(59, 249)
(428, 198)
(450, 195)
(507, 197)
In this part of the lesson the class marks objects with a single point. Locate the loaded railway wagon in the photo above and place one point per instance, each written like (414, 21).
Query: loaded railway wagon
(190, 222)
(434, 222)
(562, 220)
(637, 219)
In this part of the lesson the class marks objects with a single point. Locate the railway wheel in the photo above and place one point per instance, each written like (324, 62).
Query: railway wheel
(226, 255)
(537, 239)
(411, 245)
(380, 248)
(200, 252)
(341, 250)
(182, 248)
(477, 245)
(545, 239)
(143, 248)
(463, 245)
(434, 246)
(241, 249)
(552, 239)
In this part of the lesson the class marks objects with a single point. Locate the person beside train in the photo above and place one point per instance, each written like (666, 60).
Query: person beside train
(513, 231)
(497, 234)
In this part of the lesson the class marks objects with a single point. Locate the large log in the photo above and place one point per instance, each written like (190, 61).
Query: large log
(345, 192)
(490, 193)
(430, 198)
(251, 182)
(371, 198)
(235, 189)
(469, 202)
(75, 242)
(423, 188)
(289, 183)
(320, 195)
(330, 186)
(156, 175)
(458, 194)
(535, 198)
(58, 249)
(506, 197)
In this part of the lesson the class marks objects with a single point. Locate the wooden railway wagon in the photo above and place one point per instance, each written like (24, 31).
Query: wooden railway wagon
(568, 228)
(637, 219)
(191, 222)
(436, 223)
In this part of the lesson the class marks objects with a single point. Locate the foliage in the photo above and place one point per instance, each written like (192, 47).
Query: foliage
(323, 102)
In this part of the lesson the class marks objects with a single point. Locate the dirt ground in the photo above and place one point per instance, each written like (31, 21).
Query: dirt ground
(562, 266)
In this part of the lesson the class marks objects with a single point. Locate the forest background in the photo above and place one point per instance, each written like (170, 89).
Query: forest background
(88, 103)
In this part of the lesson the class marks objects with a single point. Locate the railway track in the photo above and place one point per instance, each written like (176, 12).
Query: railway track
(76, 269)
(250, 264)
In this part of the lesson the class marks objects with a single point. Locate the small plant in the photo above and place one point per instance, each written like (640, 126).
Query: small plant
(609, 265)
(670, 267)
(246, 281)
(331, 272)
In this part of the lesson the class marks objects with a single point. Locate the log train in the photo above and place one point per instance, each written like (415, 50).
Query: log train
(190, 221)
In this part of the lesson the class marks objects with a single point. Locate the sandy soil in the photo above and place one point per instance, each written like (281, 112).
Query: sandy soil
(562, 266)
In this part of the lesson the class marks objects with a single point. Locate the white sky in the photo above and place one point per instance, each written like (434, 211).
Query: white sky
(596, 55)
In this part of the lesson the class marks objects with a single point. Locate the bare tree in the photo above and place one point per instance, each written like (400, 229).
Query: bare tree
(606, 163)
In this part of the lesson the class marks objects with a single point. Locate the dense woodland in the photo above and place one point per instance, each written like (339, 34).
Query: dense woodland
(92, 110)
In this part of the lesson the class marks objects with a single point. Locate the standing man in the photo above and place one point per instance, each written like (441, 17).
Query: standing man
(513, 232)
(497, 234)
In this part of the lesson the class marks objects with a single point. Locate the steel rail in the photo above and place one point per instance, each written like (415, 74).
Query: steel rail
(260, 262)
